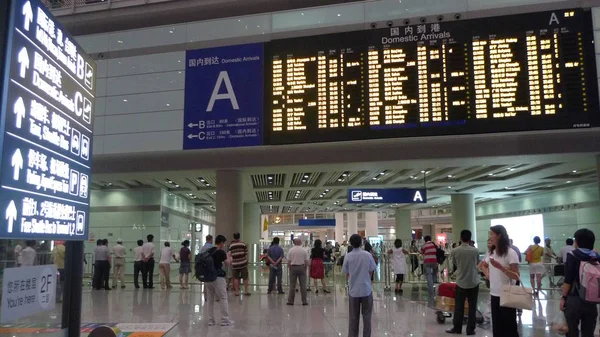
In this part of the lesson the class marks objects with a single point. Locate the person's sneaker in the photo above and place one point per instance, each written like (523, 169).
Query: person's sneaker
(211, 322)
(227, 323)
(281, 293)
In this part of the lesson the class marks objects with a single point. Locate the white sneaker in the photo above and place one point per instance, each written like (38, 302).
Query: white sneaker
(211, 322)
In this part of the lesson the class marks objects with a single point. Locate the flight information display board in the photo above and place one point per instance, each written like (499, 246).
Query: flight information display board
(47, 105)
(532, 71)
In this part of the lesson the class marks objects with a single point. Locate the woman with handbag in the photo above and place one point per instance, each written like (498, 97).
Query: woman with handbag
(503, 266)
(533, 255)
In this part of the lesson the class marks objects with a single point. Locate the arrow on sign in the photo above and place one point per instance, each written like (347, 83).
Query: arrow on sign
(11, 215)
(193, 125)
(192, 136)
(17, 164)
(19, 110)
(23, 59)
(28, 15)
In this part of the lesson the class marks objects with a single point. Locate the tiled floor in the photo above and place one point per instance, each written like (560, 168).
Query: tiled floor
(263, 315)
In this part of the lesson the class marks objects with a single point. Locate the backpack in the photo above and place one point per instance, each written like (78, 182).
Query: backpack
(589, 281)
(204, 268)
(529, 254)
(440, 255)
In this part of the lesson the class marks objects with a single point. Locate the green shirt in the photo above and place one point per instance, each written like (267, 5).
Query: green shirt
(466, 258)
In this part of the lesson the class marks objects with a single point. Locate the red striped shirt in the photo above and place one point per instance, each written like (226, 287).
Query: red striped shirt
(429, 252)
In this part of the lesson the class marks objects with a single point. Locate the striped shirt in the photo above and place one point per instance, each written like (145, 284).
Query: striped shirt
(429, 252)
(239, 254)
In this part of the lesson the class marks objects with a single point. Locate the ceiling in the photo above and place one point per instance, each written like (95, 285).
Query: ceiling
(323, 188)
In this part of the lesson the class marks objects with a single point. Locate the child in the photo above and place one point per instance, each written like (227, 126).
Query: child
(399, 260)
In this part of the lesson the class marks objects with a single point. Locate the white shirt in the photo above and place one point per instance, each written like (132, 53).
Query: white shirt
(119, 251)
(137, 251)
(497, 278)
(165, 255)
(399, 261)
(298, 256)
(28, 256)
(148, 249)
(18, 250)
(564, 251)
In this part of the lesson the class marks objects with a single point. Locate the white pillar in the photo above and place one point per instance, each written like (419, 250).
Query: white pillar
(463, 215)
(372, 224)
(352, 224)
(428, 230)
(229, 203)
(403, 225)
(339, 228)
(252, 230)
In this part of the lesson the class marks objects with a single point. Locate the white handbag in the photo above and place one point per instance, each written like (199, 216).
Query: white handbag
(517, 297)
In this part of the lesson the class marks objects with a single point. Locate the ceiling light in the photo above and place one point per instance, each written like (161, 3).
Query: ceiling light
(449, 186)
(344, 174)
(422, 171)
(176, 186)
(491, 174)
(207, 185)
(568, 182)
(374, 178)
(574, 171)
(340, 179)
(511, 169)
(382, 173)
(339, 14)
(125, 100)
(119, 41)
(412, 177)
(171, 31)
(450, 176)
(202, 180)
(327, 191)
(270, 178)
(306, 176)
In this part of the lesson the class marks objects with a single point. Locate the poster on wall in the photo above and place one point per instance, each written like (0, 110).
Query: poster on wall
(223, 97)
(46, 137)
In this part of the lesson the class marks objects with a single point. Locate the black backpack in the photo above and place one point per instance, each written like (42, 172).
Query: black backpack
(204, 268)
(440, 254)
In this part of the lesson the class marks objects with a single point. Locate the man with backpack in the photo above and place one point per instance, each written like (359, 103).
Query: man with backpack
(209, 269)
(580, 291)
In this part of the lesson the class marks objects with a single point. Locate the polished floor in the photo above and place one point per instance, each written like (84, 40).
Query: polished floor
(263, 315)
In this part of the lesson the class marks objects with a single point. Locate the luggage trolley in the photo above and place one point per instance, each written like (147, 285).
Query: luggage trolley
(444, 304)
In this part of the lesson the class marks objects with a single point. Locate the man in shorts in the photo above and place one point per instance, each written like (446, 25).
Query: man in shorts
(239, 254)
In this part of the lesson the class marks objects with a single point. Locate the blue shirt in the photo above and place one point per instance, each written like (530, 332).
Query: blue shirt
(275, 252)
(359, 265)
(207, 246)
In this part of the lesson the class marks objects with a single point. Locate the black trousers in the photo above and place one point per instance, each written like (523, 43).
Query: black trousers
(137, 269)
(504, 320)
(578, 311)
(148, 273)
(459, 307)
(101, 275)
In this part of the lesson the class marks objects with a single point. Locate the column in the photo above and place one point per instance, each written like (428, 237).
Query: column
(339, 228)
(252, 230)
(352, 224)
(229, 203)
(372, 224)
(403, 225)
(428, 230)
(463, 215)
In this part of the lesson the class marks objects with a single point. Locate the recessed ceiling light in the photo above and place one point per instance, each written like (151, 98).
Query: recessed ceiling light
(202, 180)
(171, 31)
(207, 185)
(423, 171)
(449, 186)
(344, 174)
(176, 186)
(568, 182)
(491, 174)
(306, 176)
(574, 171)
(450, 176)
(340, 179)
(270, 178)
(327, 191)
(301, 13)
(125, 100)
(382, 173)
(339, 14)
(119, 41)
(511, 169)
(374, 178)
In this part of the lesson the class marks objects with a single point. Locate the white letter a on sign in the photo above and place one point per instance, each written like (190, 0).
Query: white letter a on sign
(418, 197)
(230, 95)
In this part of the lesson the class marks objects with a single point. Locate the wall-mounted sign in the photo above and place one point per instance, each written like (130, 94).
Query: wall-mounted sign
(387, 196)
(27, 291)
(223, 97)
(316, 222)
(47, 103)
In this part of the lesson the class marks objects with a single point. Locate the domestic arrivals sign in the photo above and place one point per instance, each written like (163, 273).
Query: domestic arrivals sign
(223, 97)
(47, 105)
(387, 196)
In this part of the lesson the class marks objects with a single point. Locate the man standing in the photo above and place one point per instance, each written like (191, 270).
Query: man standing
(239, 253)
(119, 264)
(547, 259)
(148, 266)
(465, 258)
(216, 291)
(429, 251)
(138, 263)
(275, 256)
(208, 244)
(566, 250)
(358, 266)
(516, 249)
(101, 266)
(298, 260)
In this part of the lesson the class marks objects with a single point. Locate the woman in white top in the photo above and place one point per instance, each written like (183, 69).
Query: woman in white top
(503, 266)
(28, 254)
(399, 259)
(164, 266)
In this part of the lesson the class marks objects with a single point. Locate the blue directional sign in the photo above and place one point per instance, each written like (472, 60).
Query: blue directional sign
(316, 222)
(223, 97)
(387, 196)
(47, 103)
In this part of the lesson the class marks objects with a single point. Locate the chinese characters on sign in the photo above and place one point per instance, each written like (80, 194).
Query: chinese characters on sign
(223, 97)
(27, 291)
(48, 130)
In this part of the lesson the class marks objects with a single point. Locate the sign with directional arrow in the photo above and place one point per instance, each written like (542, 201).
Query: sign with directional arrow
(47, 106)
(224, 97)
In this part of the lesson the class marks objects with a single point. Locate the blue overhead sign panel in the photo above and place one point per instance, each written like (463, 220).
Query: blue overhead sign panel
(223, 97)
(47, 104)
(316, 222)
(387, 196)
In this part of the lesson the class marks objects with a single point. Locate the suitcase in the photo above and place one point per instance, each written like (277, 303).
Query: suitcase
(447, 290)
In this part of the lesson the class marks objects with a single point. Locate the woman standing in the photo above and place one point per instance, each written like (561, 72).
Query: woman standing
(185, 267)
(414, 256)
(399, 259)
(503, 266)
(533, 255)
(317, 269)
